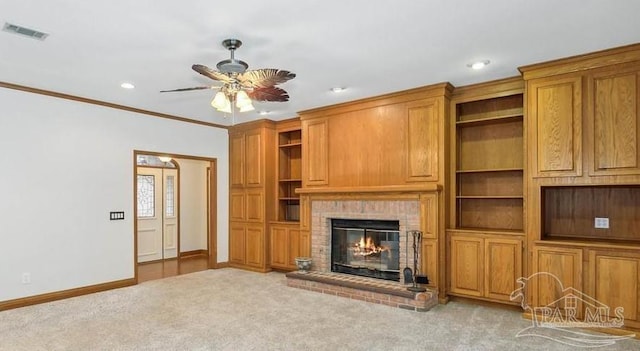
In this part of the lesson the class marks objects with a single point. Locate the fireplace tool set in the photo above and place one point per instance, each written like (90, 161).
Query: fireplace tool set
(410, 276)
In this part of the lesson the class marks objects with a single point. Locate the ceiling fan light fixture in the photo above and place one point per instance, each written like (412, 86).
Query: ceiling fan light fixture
(220, 101)
(242, 99)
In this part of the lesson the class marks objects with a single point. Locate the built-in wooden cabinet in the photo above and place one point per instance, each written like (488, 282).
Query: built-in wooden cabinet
(252, 188)
(285, 245)
(486, 192)
(289, 177)
(613, 125)
(484, 265)
(583, 135)
(555, 125)
(556, 270)
(488, 157)
(613, 279)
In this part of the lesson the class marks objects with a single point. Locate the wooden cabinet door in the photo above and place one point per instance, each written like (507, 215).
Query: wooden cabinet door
(315, 151)
(294, 246)
(557, 273)
(254, 163)
(279, 246)
(503, 267)
(430, 261)
(424, 135)
(467, 261)
(614, 127)
(237, 205)
(555, 126)
(236, 162)
(305, 243)
(255, 205)
(254, 251)
(237, 243)
(614, 281)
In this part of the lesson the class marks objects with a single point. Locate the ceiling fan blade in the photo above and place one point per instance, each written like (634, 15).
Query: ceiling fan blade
(268, 94)
(187, 89)
(212, 73)
(266, 77)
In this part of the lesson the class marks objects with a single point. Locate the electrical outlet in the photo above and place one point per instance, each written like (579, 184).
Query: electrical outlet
(26, 278)
(601, 223)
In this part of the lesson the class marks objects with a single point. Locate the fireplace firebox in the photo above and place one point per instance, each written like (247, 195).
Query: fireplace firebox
(369, 248)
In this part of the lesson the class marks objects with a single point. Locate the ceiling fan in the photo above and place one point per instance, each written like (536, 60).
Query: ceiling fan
(240, 86)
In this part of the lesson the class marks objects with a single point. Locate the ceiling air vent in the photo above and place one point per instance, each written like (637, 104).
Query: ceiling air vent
(31, 33)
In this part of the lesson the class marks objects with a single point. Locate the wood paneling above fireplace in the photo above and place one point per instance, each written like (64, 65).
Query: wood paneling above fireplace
(394, 139)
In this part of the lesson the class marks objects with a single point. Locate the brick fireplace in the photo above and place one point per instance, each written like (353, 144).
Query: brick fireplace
(406, 212)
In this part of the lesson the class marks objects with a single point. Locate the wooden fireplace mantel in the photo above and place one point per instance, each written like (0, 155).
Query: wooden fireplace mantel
(417, 188)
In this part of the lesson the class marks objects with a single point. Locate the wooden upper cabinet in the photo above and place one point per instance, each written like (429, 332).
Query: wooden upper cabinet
(236, 146)
(423, 140)
(253, 158)
(315, 149)
(614, 129)
(555, 126)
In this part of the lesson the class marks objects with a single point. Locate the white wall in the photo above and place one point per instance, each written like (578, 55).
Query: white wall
(64, 166)
(193, 204)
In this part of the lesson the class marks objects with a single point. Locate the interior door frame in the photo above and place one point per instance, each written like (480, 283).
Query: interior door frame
(212, 206)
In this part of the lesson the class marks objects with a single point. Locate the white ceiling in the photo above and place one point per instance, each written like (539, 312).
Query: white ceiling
(371, 47)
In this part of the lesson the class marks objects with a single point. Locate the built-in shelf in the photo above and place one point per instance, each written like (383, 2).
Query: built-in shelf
(489, 173)
(490, 170)
(491, 120)
(469, 230)
(290, 145)
(289, 174)
(489, 197)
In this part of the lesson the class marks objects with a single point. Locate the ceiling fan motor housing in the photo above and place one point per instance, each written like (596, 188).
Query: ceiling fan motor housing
(232, 65)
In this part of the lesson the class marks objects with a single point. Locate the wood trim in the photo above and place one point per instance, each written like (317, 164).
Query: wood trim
(221, 265)
(261, 123)
(107, 104)
(192, 253)
(578, 63)
(372, 189)
(212, 210)
(65, 294)
(430, 91)
(485, 90)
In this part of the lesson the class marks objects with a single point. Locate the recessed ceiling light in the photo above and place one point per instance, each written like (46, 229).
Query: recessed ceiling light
(338, 89)
(127, 85)
(478, 64)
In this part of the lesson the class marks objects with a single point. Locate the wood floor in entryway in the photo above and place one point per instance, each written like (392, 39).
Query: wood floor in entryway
(170, 268)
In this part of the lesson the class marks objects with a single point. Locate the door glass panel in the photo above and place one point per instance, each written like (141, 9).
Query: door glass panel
(146, 189)
(169, 206)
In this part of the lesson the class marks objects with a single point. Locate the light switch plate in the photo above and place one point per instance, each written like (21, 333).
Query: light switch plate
(601, 223)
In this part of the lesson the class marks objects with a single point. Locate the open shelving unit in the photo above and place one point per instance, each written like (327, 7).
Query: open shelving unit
(489, 164)
(289, 174)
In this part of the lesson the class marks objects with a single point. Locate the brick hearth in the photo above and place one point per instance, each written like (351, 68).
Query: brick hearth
(378, 291)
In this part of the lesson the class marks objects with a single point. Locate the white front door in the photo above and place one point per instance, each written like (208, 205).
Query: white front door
(157, 197)
(150, 214)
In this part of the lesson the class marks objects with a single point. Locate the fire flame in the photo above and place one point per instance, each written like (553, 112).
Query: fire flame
(367, 248)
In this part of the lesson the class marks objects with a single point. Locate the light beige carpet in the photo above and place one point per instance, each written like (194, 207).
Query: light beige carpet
(232, 309)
